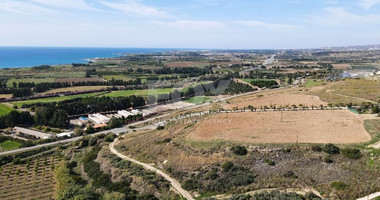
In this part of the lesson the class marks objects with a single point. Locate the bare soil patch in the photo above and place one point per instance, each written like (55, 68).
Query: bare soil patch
(339, 126)
(275, 99)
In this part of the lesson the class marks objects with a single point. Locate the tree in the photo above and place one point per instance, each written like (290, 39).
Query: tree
(331, 149)
(239, 150)
(114, 196)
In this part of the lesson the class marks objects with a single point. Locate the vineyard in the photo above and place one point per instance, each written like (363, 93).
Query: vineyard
(33, 179)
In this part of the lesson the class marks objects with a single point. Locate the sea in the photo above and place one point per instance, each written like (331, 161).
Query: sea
(17, 57)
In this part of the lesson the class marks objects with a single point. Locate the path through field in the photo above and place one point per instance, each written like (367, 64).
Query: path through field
(175, 184)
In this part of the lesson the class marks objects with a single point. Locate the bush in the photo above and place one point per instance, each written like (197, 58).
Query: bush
(270, 162)
(109, 138)
(352, 153)
(328, 159)
(331, 149)
(227, 166)
(338, 185)
(239, 150)
(289, 174)
(316, 148)
(160, 127)
(190, 184)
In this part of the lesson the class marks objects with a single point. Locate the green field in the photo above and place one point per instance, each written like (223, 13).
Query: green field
(62, 74)
(29, 80)
(55, 99)
(312, 83)
(9, 145)
(117, 77)
(248, 80)
(198, 100)
(124, 93)
(4, 109)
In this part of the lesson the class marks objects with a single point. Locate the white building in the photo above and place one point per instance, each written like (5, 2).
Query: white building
(99, 118)
(36, 134)
(124, 113)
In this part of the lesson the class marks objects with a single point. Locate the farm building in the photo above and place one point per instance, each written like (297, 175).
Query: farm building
(124, 113)
(99, 118)
(68, 134)
(19, 130)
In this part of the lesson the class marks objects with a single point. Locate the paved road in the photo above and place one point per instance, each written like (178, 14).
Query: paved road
(175, 184)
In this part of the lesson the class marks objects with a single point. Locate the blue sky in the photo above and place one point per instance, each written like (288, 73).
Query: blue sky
(226, 24)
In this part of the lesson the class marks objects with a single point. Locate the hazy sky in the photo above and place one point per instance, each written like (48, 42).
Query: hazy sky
(233, 24)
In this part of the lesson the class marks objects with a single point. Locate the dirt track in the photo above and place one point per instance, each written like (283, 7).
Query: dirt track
(327, 126)
(175, 184)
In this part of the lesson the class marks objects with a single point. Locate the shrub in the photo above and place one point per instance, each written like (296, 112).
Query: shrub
(338, 185)
(289, 174)
(190, 184)
(352, 153)
(331, 149)
(328, 159)
(239, 150)
(160, 127)
(316, 148)
(227, 165)
(270, 162)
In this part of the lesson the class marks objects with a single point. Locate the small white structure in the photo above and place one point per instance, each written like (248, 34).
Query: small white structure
(124, 113)
(36, 134)
(68, 134)
(99, 118)
(135, 112)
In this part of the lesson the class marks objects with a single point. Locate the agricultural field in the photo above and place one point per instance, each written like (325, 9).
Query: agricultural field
(76, 89)
(284, 98)
(9, 145)
(5, 109)
(29, 80)
(77, 80)
(116, 77)
(56, 99)
(139, 92)
(123, 93)
(350, 90)
(31, 180)
(313, 83)
(62, 74)
(339, 127)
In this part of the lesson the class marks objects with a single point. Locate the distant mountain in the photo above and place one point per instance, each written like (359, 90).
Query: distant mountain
(355, 48)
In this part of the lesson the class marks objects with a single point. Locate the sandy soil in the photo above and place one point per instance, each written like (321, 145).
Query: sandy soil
(278, 99)
(339, 126)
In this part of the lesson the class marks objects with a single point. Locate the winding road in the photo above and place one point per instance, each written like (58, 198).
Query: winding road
(174, 183)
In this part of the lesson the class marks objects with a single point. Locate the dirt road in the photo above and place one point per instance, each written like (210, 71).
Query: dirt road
(175, 184)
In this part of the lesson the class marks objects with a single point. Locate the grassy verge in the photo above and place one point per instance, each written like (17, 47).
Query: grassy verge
(198, 100)
(4, 109)
(9, 145)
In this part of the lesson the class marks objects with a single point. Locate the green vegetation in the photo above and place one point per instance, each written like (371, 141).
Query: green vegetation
(10, 82)
(4, 109)
(198, 100)
(330, 149)
(239, 150)
(123, 93)
(338, 185)
(116, 77)
(352, 153)
(56, 99)
(261, 83)
(9, 145)
(313, 82)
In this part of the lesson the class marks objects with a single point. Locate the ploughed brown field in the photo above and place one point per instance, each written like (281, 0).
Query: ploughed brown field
(322, 126)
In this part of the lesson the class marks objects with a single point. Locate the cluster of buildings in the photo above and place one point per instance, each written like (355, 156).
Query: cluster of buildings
(28, 133)
(100, 120)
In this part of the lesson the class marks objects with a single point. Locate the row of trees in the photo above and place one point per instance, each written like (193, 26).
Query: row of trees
(101, 104)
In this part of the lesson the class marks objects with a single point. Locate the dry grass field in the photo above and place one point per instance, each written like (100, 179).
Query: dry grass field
(286, 98)
(351, 90)
(77, 80)
(339, 127)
